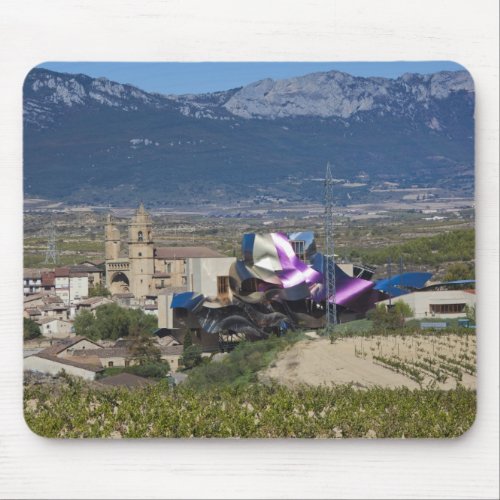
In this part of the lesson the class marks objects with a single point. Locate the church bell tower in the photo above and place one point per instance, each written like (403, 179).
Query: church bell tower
(141, 253)
(112, 240)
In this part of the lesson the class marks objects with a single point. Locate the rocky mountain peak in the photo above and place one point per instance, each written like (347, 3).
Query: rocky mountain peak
(337, 94)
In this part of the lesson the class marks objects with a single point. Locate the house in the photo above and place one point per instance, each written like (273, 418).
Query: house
(55, 310)
(71, 285)
(60, 357)
(32, 281)
(92, 303)
(119, 355)
(437, 303)
(37, 280)
(56, 328)
(32, 313)
(44, 305)
(93, 271)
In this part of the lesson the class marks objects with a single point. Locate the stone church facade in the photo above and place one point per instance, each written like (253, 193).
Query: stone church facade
(147, 270)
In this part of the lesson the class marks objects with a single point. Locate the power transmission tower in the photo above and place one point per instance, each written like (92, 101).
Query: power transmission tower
(330, 303)
(51, 252)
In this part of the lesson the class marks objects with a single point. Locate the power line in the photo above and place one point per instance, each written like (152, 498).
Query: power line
(330, 287)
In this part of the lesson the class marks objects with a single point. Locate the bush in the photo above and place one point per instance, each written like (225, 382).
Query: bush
(31, 330)
(239, 368)
(459, 271)
(150, 370)
(147, 370)
(387, 319)
(403, 309)
(99, 291)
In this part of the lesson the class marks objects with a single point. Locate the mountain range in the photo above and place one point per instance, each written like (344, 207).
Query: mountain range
(91, 140)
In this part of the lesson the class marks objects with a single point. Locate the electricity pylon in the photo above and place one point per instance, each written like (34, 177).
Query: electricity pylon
(329, 275)
(51, 251)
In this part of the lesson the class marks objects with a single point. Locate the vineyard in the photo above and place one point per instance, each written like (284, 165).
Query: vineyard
(365, 385)
(442, 360)
(75, 409)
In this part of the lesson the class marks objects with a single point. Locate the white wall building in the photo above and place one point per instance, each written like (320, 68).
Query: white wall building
(56, 328)
(61, 357)
(71, 286)
(209, 276)
(437, 303)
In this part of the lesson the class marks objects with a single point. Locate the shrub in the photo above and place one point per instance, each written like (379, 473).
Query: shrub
(31, 330)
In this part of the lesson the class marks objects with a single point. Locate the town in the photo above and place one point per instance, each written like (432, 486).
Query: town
(191, 291)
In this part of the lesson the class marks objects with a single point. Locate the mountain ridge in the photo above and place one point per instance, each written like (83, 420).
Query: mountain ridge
(118, 140)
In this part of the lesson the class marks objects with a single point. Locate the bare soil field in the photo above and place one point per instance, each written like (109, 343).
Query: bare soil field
(414, 361)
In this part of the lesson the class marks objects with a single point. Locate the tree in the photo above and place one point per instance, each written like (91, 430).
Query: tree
(113, 322)
(470, 312)
(85, 325)
(143, 349)
(188, 340)
(459, 271)
(191, 356)
(403, 309)
(387, 319)
(99, 291)
(31, 330)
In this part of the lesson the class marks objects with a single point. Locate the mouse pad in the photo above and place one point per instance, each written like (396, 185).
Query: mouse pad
(249, 250)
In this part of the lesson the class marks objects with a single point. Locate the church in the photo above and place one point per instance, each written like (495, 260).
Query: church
(147, 270)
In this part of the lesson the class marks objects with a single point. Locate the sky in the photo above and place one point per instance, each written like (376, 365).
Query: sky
(186, 78)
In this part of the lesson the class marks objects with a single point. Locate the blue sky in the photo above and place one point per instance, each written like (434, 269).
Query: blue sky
(185, 78)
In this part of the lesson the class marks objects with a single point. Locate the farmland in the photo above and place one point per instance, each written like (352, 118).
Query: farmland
(399, 385)
(413, 360)
(77, 410)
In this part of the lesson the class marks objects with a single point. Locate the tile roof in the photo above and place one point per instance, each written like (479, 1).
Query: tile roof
(56, 349)
(36, 296)
(85, 268)
(33, 311)
(69, 361)
(49, 319)
(48, 278)
(185, 252)
(61, 272)
(126, 379)
(172, 350)
(94, 300)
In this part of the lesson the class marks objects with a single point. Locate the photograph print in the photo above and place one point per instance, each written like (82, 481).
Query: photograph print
(249, 250)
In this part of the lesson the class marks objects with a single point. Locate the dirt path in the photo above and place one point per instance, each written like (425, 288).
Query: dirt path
(350, 360)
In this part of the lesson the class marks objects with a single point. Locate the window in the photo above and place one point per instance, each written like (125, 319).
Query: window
(140, 236)
(250, 285)
(299, 247)
(140, 254)
(222, 285)
(127, 362)
(446, 308)
(110, 364)
(169, 267)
